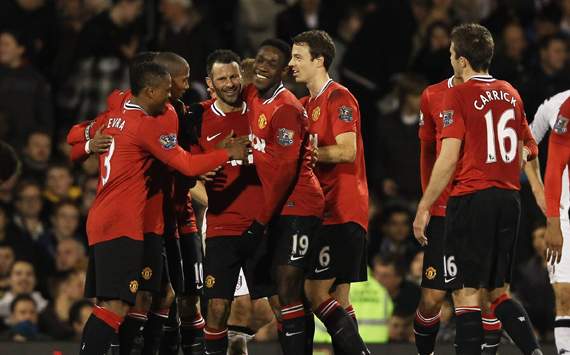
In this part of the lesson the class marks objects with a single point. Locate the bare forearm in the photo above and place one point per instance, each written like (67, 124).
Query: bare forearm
(336, 153)
(440, 177)
(532, 171)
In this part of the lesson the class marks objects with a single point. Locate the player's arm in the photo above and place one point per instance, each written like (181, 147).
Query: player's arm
(532, 171)
(541, 122)
(530, 147)
(86, 138)
(344, 122)
(428, 143)
(287, 141)
(199, 195)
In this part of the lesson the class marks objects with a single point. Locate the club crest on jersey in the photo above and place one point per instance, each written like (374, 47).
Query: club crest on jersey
(316, 113)
(168, 141)
(285, 137)
(431, 273)
(345, 113)
(561, 125)
(146, 273)
(210, 281)
(262, 121)
(134, 286)
(447, 117)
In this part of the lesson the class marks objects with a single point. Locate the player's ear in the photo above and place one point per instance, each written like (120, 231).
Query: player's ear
(209, 83)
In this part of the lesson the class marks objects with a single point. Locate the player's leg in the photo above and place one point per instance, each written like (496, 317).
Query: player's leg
(112, 277)
(469, 332)
(560, 279)
(192, 321)
(426, 322)
(492, 328)
(239, 333)
(221, 268)
(130, 333)
(322, 276)
(514, 320)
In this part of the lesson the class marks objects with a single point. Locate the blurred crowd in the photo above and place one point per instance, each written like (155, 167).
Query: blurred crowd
(59, 59)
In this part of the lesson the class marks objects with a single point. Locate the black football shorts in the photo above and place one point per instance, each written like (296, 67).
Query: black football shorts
(432, 276)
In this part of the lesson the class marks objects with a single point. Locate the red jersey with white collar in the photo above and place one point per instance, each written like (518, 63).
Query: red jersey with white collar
(332, 112)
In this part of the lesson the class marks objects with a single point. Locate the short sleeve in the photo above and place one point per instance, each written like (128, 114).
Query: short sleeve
(560, 130)
(344, 112)
(287, 130)
(452, 116)
(427, 131)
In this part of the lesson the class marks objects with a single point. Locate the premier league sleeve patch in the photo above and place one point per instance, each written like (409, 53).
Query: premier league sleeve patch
(345, 113)
(285, 137)
(561, 125)
(447, 117)
(168, 141)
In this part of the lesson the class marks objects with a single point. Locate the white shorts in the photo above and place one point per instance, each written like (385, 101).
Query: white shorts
(560, 273)
(241, 285)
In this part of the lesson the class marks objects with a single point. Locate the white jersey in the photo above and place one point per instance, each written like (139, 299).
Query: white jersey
(544, 120)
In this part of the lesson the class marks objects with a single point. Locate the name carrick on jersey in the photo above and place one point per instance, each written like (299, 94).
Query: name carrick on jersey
(282, 155)
(488, 116)
(119, 206)
(332, 112)
(235, 197)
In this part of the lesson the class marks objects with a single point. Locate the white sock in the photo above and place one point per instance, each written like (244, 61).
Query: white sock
(562, 334)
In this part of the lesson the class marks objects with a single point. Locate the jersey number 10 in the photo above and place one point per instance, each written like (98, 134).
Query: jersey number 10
(503, 133)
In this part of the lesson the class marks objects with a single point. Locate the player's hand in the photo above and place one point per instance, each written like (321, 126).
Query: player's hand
(420, 223)
(100, 143)
(540, 199)
(251, 238)
(237, 147)
(553, 239)
(209, 176)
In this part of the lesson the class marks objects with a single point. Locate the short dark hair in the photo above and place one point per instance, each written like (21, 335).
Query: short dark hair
(280, 45)
(388, 260)
(320, 45)
(222, 56)
(9, 162)
(172, 62)
(75, 310)
(21, 298)
(547, 41)
(56, 280)
(147, 74)
(475, 43)
(24, 184)
(59, 205)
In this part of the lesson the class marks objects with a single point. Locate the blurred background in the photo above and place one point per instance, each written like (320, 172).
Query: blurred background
(59, 59)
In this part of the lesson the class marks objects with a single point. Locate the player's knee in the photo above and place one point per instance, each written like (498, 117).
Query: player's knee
(561, 292)
(168, 297)
(496, 293)
(241, 311)
(188, 306)
(118, 307)
(143, 301)
(317, 292)
(342, 294)
(290, 284)
(218, 312)
(431, 301)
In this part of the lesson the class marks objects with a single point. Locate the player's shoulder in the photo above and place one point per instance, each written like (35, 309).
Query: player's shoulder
(336, 91)
(439, 87)
(287, 99)
(116, 98)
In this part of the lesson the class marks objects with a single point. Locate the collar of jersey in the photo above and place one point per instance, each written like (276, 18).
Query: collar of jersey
(130, 106)
(276, 93)
(485, 78)
(219, 112)
(327, 84)
(450, 82)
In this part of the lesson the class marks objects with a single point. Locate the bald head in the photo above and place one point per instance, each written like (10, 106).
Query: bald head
(172, 62)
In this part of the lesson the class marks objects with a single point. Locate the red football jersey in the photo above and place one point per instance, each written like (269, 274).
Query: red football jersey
(230, 197)
(281, 155)
(332, 112)
(119, 205)
(431, 124)
(558, 160)
(487, 115)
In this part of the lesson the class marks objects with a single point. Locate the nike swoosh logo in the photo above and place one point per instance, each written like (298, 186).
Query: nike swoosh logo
(449, 280)
(318, 271)
(287, 334)
(293, 258)
(209, 138)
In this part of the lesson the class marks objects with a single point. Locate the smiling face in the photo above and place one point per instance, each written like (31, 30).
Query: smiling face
(225, 81)
(180, 82)
(268, 68)
(303, 66)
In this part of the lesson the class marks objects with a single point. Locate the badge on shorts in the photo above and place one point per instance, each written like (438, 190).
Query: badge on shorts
(561, 125)
(447, 117)
(262, 121)
(168, 141)
(285, 137)
(316, 113)
(345, 113)
(146, 273)
(210, 281)
(431, 273)
(134, 286)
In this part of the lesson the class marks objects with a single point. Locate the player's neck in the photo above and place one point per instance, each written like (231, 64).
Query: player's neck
(227, 108)
(468, 73)
(317, 82)
(266, 94)
(140, 102)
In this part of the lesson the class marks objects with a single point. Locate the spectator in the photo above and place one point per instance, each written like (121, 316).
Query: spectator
(509, 62)
(396, 240)
(405, 294)
(400, 328)
(531, 283)
(106, 44)
(59, 185)
(90, 166)
(7, 257)
(398, 157)
(28, 209)
(10, 165)
(88, 194)
(70, 255)
(22, 281)
(25, 96)
(36, 155)
(187, 32)
(432, 61)
(304, 15)
(23, 320)
(65, 223)
(550, 76)
(348, 27)
(66, 289)
(257, 19)
(78, 315)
